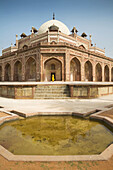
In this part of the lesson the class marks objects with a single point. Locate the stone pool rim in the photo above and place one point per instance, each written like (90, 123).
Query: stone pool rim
(105, 155)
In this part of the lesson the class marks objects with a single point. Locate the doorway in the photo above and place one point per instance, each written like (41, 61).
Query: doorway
(54, 76)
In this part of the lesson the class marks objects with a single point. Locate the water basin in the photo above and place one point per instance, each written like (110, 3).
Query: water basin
(55, 135)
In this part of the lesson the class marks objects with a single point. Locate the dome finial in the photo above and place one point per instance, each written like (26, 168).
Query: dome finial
(53, 15)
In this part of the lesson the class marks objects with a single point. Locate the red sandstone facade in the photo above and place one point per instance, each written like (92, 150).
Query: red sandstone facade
(69, 57)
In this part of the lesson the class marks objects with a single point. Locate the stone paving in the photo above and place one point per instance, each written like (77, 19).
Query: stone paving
(65, 105)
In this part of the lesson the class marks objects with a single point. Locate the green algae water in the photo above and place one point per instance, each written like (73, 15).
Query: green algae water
(55, 135)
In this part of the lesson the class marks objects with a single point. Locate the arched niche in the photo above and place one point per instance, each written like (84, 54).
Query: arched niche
(112, 74)
(0, 73)
(82, 47)
(98, 72)
(7, 76)
(75, 70)
(30, 70)
(88, 71)
(18, 71)
(52, 67)
(106, 73)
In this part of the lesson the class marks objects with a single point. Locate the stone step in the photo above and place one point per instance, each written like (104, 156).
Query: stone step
(51, 91)
(51, 95)
(52, 98)
(60, 94)
(52, 87)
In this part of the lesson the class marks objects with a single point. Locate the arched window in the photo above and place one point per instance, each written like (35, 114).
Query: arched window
(25, 47)
(52, 66)
(82, 47)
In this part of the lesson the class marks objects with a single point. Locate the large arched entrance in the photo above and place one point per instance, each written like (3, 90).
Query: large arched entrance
(0, 73)
(53, 67)
(98, 72)
(112, 74)
(7, 76)
(75, 70)
(18, 71)
(106, 73)
(88, 71)
(30, 73)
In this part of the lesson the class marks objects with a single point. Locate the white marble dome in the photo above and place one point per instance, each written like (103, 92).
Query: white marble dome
(62, 27)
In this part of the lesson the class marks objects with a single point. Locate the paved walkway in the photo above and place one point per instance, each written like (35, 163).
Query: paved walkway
(65, 105)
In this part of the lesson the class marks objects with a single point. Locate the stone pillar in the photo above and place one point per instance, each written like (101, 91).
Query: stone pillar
(94, 71)
(103, 72)
(67, 66)
(110, 72)
(12, 70)
(23, 69)
(41, 67)
(63, 71)
(37, 67)
(82, 70)
(3, 71)
(71, 90)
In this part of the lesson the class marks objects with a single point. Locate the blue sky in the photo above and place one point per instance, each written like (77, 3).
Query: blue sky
(91, 16)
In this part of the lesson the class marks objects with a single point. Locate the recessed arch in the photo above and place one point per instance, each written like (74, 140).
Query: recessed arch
(82, 47)
(0, 73)
(30, 69)
(75, 70)
(98, 72)
(25, 47)
(7, 76)
(88, 71)
(112, 74)
(17, 71)
(106, 73)
(53, 66)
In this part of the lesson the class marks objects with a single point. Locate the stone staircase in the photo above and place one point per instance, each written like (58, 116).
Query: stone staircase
(51, 91)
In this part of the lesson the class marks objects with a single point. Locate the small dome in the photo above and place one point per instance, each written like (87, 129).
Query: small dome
(62, 27)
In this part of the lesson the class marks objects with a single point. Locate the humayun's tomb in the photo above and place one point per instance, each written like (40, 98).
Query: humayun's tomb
(53, 50)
